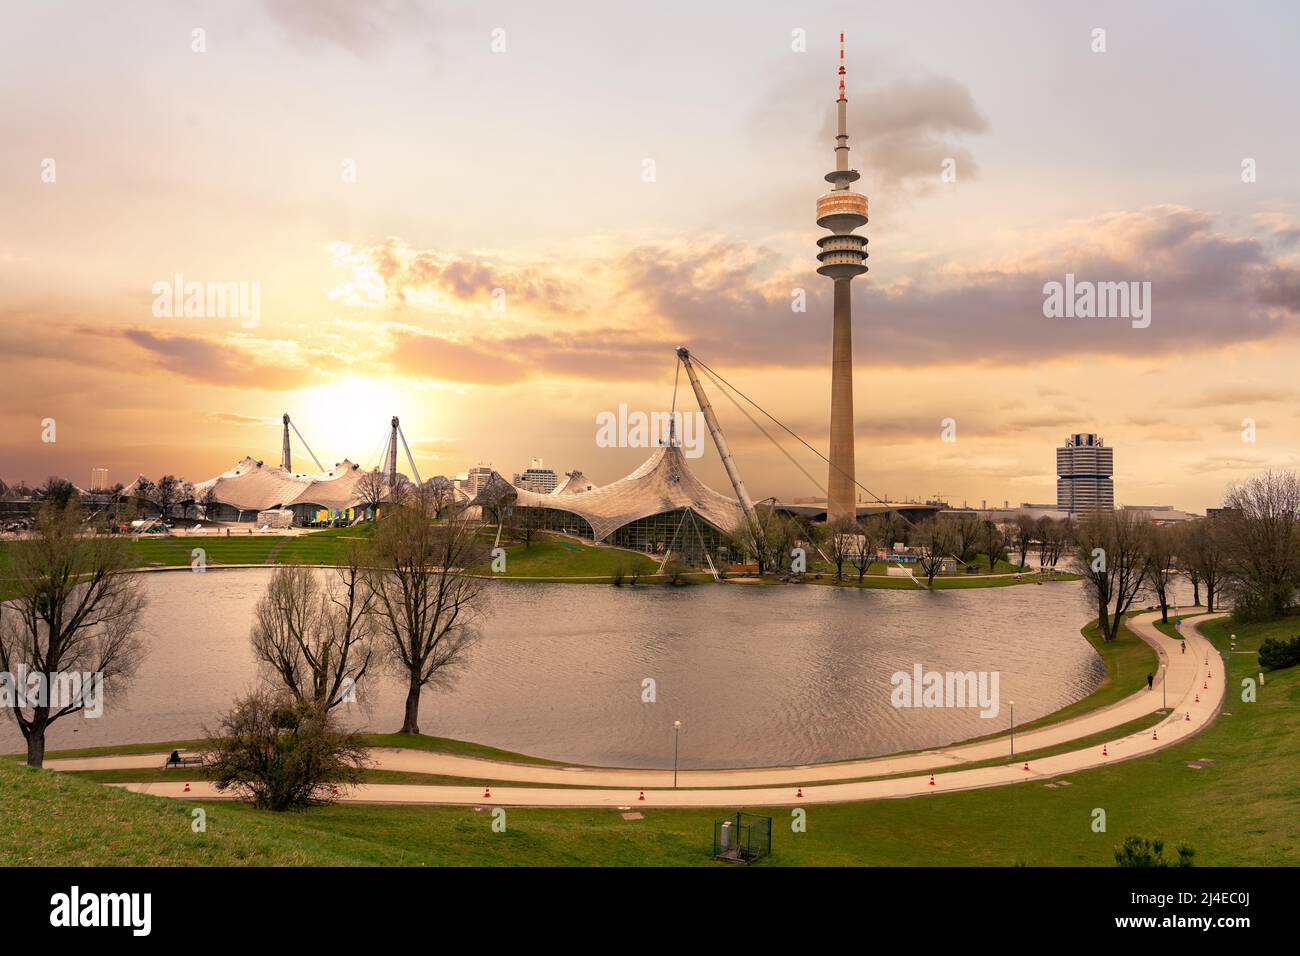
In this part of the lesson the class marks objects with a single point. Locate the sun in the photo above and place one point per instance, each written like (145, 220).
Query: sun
(348, 419)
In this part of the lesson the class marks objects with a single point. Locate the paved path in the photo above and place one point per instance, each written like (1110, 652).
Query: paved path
(1193, 682)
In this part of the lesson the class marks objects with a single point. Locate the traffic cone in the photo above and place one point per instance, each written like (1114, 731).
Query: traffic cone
(799, 793)
(1187, 716)
(1209, 674)
(1198, 698)
(487, 791)
(1103, 751)
(1026, 765)
(642, 797)
(1205, 685)
(187, 788)
(932, 780)
(1153, 735)
(334, 791)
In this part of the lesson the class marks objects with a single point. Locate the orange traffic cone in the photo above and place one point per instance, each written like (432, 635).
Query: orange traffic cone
(1205, 685)
(1198, 698)
(1187, 716)
(1209, 674)
(799, 793)
(487, 791)
(642, 797)
(1153, 735)
(187, 788)
(932, 780)
(1026, 765)
(1103, 751)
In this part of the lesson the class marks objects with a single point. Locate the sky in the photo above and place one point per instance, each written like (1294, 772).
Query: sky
(498, 220)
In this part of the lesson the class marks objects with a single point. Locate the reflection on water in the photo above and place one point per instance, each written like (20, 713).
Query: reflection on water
(757, 675)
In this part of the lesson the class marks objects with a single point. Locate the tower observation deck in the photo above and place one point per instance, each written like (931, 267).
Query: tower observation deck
(842, 257)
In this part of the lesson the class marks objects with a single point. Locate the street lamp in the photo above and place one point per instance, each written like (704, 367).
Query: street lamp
(1164, 687)
(677, 733)
(1012, 705)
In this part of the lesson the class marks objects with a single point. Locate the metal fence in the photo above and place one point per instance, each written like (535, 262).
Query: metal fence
(742, 838)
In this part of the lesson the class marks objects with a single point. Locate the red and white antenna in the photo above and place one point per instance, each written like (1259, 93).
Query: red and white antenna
(843, 98)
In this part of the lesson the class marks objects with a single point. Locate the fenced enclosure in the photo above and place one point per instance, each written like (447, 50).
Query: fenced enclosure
(742, 838)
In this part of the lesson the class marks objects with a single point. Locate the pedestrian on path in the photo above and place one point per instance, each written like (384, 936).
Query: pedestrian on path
(1184, 647)
(1151, 680)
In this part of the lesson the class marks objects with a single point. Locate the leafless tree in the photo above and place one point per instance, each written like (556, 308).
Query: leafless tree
(427, 603)
(1162, 557)
(316, 636)
(868, 539)
(210, 503)
(372, 489)
(991, 542)
(1111, 553)
(1026, 531)
(1263, 544)
(1204, 554)
(166, 494)
(936, 540)
(75, 611)
(841, 539)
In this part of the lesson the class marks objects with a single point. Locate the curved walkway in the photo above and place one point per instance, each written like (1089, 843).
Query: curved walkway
(1193, 683)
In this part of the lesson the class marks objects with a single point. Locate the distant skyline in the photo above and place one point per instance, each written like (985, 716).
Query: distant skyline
(378, 171)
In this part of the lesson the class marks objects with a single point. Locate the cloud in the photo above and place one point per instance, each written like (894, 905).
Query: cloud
(214, 363)
(392, 273)
(357, 27)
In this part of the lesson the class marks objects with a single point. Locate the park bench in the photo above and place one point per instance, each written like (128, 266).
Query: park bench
(195, 760)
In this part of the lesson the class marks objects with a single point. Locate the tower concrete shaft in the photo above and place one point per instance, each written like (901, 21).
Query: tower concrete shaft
(843, 256)
(841, 491)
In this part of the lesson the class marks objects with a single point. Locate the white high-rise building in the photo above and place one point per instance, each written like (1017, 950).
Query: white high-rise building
(1085, 468)
(537, 478)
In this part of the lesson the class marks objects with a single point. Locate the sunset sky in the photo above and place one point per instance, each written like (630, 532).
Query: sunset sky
(524, 170)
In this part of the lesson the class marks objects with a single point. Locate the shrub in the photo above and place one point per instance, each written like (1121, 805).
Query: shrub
(1141, 852)
(1274, 654)
(278, 754)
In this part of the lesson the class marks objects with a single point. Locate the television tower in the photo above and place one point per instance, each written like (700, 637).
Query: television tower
(842, 257)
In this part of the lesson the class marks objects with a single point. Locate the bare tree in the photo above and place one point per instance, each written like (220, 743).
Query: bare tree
(841, 535)
(372, 489)
(441, 494)
(74, 613)
(1111, 553)
(936, 540)
(990, 541)
(427, 602)
(1205, 555)
(166, 493)
(1026, 531)
(1162, 556)
(314, 636)
(865, 543)
(210, 503)
(1263, 544)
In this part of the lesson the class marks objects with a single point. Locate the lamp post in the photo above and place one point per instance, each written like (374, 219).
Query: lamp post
(1227, 679)
(1164, 687)
(1012, 705)
(677, 733)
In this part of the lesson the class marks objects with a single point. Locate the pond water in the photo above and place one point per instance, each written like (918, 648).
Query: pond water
(757, 675)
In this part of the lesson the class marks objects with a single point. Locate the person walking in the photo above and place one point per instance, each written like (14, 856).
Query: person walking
(1151, 680)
